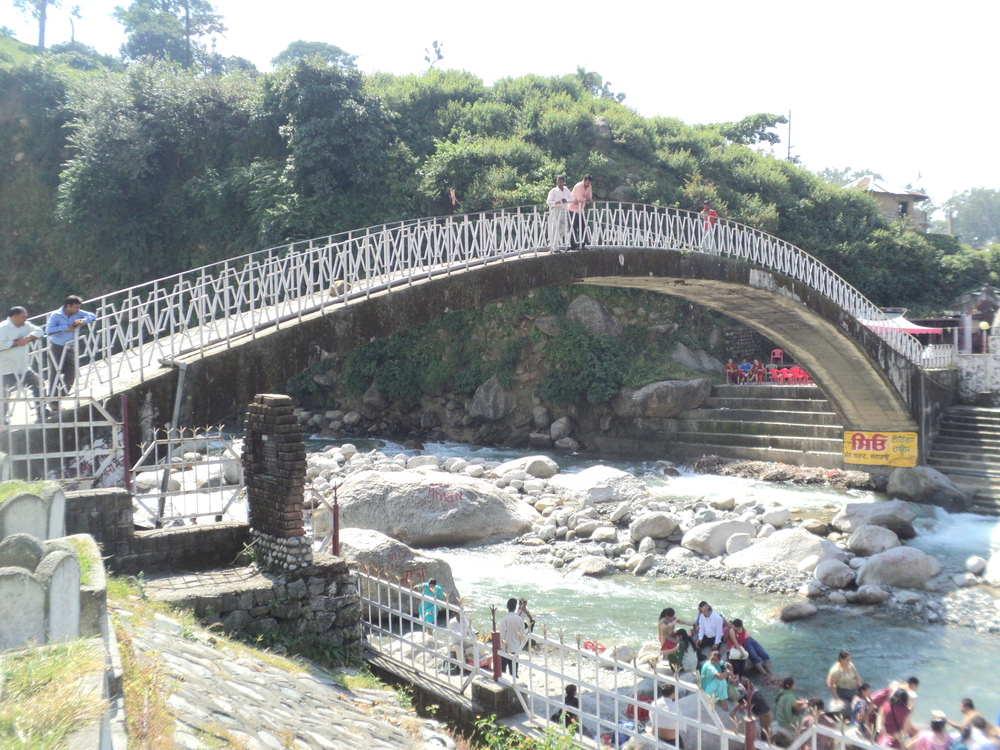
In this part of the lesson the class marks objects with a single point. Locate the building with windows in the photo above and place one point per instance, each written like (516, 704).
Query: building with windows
(894, 202)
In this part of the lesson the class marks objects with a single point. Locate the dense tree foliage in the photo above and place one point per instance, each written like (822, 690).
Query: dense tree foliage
(329, 53)
(123, 175)
(168, 29)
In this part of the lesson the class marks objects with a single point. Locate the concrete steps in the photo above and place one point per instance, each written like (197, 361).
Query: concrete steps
(790, 424)
(967, 449)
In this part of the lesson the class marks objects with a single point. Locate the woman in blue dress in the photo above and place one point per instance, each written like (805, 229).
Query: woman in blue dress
(715, 678)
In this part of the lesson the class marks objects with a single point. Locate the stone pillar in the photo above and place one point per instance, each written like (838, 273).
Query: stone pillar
(274, 469)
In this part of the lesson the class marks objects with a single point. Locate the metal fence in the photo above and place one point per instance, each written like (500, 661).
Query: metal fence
(187, 474)
(938, 356)
(445, 648)
(75, 441)
(138, 328)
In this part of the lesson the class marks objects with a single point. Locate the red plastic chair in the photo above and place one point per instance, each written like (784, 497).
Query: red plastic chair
(786, 375)
(775, 374)
(798, 375)
(777, 355)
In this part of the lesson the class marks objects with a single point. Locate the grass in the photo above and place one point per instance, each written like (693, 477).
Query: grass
(43, 702)
(16, 487)
(148, 721)
(85, 557)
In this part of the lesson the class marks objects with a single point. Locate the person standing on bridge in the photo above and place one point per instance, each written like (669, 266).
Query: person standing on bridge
(558, 201)
(583, 194)
(16, 334)
(708, 218)
(62, 329)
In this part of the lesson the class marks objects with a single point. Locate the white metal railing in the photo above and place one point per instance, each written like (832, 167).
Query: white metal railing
(181, 488)
(186, 314)
(938, 356)
(607, 688)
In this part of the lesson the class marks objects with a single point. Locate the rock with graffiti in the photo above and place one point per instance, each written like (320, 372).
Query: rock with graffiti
(432, 508)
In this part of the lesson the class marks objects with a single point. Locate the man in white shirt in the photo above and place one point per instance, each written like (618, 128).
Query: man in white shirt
(666, 719)
(511, 638)
(16, 334)
(558, 201)
(710, 628)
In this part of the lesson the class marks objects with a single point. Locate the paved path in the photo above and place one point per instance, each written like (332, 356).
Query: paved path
(223, 696)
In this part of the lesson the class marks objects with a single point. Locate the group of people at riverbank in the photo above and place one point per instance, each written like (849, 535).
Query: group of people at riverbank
(723, 654)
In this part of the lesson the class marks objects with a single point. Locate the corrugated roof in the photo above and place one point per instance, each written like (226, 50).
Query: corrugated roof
(874, 185)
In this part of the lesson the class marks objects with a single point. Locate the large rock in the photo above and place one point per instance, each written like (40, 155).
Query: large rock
(903, 566)
(657, 525)
(492, 402)
(696, 359)
(397, 561)
(542, 467)
(895, 515)
(869, 540)
(593, 566)
(835, 574)
(922, 484)
(665, 399)
(595, 318)
(599, 484)
(786, 547)
(992, 571)
(800, 611)
(710, 538)
(431, 508)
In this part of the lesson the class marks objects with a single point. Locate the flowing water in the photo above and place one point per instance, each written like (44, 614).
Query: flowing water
(952, 663)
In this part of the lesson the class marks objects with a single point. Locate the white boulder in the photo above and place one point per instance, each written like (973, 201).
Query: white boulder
(895, 515)
(975, 565)
(710, 538)
(835, 574)
(902, 566)
(785, 547)
(922, 484)
(870, 540)
(738, 543)
(593, 566)
(431, 508)
(599, 484)
(540, 467)
(656, 525)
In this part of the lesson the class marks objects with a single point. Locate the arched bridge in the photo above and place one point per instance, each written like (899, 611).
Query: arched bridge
(248, 324)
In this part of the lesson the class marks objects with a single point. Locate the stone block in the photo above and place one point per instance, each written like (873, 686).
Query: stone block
(322, 622)
(348, 617)
(24, 513)
(237, 620)
(494, 698)
(59, 574)
(24, 606)
(21, 551)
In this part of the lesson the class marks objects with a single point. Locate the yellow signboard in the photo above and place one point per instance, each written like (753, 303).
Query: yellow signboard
(880, 448)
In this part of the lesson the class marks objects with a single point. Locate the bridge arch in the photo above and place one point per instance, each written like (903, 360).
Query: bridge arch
(248, 324)
(852, 365)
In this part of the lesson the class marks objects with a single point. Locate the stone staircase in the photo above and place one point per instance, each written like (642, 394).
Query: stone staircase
(967, 449)
(793, 424)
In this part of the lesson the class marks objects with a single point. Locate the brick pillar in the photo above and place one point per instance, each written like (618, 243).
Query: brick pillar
(274, 468)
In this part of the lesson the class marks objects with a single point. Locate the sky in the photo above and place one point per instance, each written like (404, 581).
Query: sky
(907, 90)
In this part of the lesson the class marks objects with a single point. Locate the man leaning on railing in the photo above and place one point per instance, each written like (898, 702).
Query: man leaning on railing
(16, 335)
(62, 328)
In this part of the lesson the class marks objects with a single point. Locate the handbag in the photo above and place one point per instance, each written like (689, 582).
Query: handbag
(738, 653)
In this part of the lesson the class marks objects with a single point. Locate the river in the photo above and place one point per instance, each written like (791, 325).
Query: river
(952, 663)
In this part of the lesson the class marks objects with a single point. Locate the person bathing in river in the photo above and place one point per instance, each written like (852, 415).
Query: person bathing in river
(736, 638)
(710, 629)
(894, 725)
(843, 678)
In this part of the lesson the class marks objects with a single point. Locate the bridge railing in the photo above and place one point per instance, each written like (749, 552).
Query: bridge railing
(608, 688)
(140, 327)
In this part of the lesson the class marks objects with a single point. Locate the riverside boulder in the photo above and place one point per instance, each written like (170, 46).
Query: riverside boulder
(592, 566)
(870, 540)
(908, 567)
(373, 549)
(785, 547)
(895, 515)
(922, 484)
(541, 467)
(665, 399)
(657, 525)
(432, 508)
(599, 484)
(710, 538)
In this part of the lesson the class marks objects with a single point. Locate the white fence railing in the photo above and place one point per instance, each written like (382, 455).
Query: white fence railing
(136, 329)
(610, 691)
(187, 474)
(938, 356)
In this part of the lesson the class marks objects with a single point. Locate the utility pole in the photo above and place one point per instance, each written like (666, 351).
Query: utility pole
(788, 157)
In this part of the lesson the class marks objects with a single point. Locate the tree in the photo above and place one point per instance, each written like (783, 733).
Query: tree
(37, 9)
(167, 29)
(329, 53)
(751, 129)
(434, 54)
(845, 176)
(975, 216)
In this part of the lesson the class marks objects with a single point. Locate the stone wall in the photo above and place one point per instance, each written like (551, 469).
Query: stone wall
(979, 376)
(104, 514)
(321, 599)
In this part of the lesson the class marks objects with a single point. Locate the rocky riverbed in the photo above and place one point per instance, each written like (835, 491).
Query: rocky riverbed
(604, 521)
